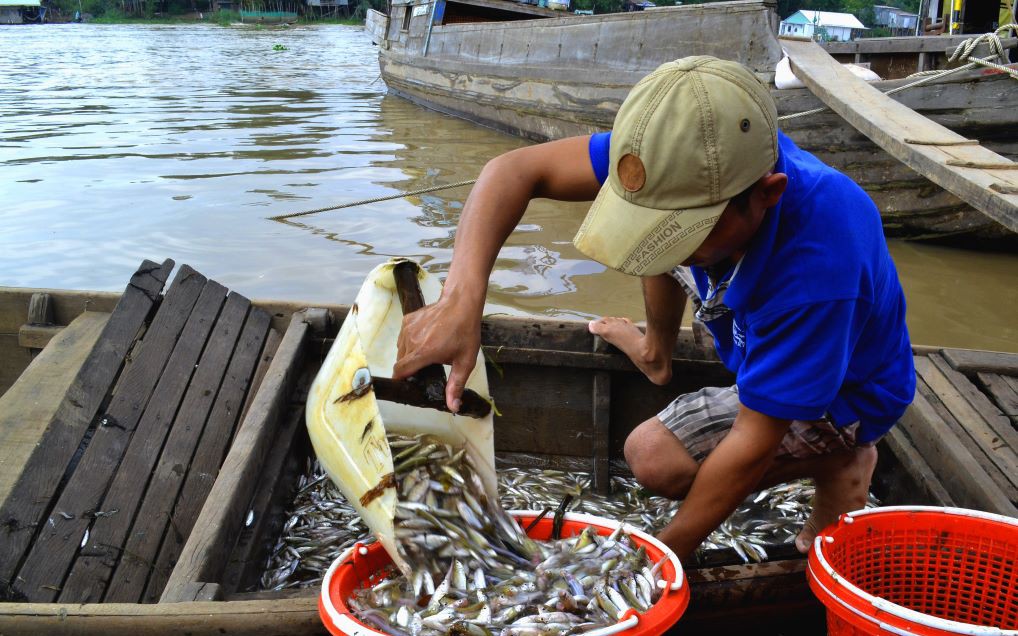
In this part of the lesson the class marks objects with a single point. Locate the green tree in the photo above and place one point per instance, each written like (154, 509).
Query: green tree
(862, 9)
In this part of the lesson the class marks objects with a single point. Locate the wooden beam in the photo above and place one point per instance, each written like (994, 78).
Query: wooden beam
(601, 421)
(23, 416)
(25, 508)
(912, 461)
(37, 336)
(969, 361)
(1003, 393)
(277, 486)
(204, 556)
(939, 154)
(905, 44)
(278, 617)
(40, 326)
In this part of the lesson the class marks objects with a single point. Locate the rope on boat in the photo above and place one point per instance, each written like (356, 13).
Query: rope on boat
(458, 184)
(962, 53)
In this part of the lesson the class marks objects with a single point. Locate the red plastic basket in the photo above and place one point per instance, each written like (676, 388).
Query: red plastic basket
(360, 565)
(918, 570)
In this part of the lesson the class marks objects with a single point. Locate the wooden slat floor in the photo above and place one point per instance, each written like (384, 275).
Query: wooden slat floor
(962, 429)
(108, 498)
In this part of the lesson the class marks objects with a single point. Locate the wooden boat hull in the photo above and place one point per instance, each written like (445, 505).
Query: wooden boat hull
(553, 78)
(566, 403)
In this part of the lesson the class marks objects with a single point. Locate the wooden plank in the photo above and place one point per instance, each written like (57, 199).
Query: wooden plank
(552, 358)
(1003, 392)
(268, 352)
(564, 397)
(966, 439)
(277, 487)
(932, 490)
(925, 146)
(128, 582)
(601, 406)
(202, 592)
(40, 326)
(207, 549)
(994, 417)
(521, 334)
(23, 415)
(96, 560)
(905, 44)
(279, 617)
(982, 421)
(970, 486)
(57, 544)
(601, 420)
(26, 506)
(40, 309)
(211, 450)
(969, 361)
(568, 463)
(37, 336)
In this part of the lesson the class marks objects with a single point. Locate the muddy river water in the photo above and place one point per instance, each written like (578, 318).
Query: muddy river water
(119, 143)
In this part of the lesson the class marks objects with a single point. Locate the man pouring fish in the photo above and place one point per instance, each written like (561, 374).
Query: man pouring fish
(697, 192)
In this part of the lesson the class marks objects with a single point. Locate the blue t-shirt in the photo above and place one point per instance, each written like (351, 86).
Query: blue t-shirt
(817, 320)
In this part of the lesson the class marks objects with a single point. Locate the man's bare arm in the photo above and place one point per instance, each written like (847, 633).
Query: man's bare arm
(724, 479)
(449, 332)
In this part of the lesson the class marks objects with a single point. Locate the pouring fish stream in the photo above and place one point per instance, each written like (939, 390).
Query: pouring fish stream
(475, 571)
(321, 524)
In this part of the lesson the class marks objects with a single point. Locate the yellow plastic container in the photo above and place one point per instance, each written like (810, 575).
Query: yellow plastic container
(347, 425)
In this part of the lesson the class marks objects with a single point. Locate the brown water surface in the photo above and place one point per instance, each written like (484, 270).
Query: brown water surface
(119, 143)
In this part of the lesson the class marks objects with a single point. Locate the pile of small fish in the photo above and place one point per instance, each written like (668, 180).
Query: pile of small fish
(583, 582)
(322, 524)
(444, 515)
(496, 579)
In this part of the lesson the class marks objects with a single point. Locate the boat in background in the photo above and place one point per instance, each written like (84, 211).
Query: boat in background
(543, 75)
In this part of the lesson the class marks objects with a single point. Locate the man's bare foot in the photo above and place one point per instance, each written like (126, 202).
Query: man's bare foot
(622, 333)
(843, 488)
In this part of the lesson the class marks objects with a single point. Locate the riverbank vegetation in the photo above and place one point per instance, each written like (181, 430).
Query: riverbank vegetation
(189, 11)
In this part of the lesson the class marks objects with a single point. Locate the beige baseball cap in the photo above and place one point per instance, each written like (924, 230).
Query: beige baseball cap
(690, 136)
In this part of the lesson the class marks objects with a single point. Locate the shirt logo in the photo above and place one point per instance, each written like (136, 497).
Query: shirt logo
(738, 335)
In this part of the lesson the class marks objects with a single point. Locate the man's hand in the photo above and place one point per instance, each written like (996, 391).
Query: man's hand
(449, 332)
(444, 333)
(724, 479)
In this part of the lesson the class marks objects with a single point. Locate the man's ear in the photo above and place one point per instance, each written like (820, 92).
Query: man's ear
(770, 188)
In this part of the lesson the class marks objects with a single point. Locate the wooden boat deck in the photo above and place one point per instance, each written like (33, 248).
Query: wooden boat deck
(955, 446)
(117, 473)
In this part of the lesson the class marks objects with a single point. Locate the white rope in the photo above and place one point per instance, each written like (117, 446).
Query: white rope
(961, 53)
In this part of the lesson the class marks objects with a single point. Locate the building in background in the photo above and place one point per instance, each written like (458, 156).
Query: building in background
(20, 11)
(824, 26)
(898, 21)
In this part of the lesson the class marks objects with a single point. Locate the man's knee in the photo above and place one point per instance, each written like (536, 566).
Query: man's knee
(659, 461)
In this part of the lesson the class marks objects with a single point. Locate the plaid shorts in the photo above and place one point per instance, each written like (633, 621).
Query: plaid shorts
(702, 419)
